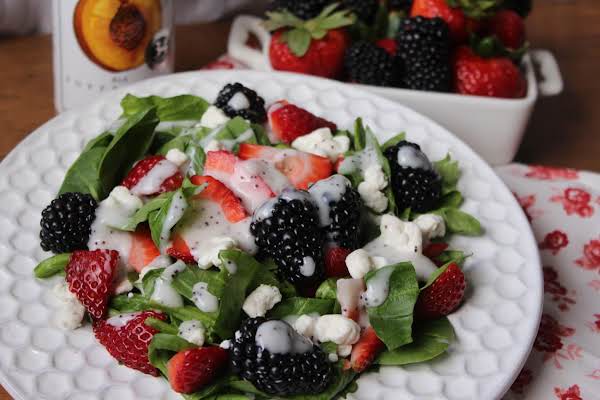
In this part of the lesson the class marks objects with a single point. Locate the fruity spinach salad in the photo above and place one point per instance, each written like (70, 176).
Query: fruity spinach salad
(244, 252)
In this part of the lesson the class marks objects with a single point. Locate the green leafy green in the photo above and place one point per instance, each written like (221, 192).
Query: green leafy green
(129, 144)
(83, 175)
(178, 108)
(184, 281)
(143, 213)
(393, 141)
(52, 266)
(455, 256)
(161, 348)
(147, 286)
(460, 222)
(300, 306)
(261, 135)
(158, 217)
(161, 326)
(179, 142)
(431, 338)
(392, 320)
(127, 304)
(235, 291)
(450, 173)
(327, 289)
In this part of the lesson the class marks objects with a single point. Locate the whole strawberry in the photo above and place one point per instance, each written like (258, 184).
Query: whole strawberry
(314, 47)
(462, 16)
(508, 27)
(126, 337)
(493, 77)
(444, 295)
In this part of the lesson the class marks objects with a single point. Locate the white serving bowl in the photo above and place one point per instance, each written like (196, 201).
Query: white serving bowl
(493, 127)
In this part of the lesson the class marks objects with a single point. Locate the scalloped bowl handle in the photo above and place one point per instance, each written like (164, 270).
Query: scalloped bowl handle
(241, 29)
(550, 83)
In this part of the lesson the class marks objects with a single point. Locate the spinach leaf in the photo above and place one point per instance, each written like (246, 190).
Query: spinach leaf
(431, 338)
(130, 143)
(158, 218)
(161, 138)
(52, 266)
(143, 213)
(179, 142)
(184, 281)
(393, 141)
(450, 173)
(187, 313)
(455, 256)
(83, 175)
(460, 222)
(127, 304)
(264, 276)
(102, 140)
(235, 291)
(327, 289)
(392, 320)
(161, 326)
(300, 306)
(177, 108)
(452, 199)
(147, 286)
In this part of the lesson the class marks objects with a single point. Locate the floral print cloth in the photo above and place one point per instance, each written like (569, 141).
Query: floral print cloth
(563, 206)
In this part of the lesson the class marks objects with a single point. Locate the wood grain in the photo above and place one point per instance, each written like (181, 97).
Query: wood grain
(563, 130)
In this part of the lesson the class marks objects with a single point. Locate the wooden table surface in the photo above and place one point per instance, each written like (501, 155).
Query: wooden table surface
(563, 131)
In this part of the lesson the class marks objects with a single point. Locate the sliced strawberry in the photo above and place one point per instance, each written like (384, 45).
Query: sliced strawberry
(348, 295)
(289, 121)
(335, 262)
(126, 337)
(302, 169)
(143, 250)
(90, 275)
(365, 350)
(167, 176)
(389, 45)
(217, 192)
(444, 295)
(191, 370)
(240, 178)
(180, 250)
(434, 250)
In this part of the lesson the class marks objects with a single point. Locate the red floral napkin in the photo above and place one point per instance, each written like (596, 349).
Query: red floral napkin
(563, 206)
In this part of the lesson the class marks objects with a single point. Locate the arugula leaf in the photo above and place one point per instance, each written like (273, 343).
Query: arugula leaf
(130, 143)
(177, 108)
(143, 213)
(393, 141)
(235, 291)
(392, 320)
(300, 306)
(431, 338)
(452, 199)
(327, 289)
(450, 173)
(52, 266)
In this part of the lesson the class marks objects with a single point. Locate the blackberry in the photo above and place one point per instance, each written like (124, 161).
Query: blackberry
(400, 5)
(303, 9)
(250, 105)
(287, 229)
(66, 223)
(424, 47)
(305, 370)
(371, 65)
(365, 10)
(415, 183)
(339, 210)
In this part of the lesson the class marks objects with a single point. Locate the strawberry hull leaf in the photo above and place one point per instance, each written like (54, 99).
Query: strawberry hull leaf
(298, 41)
(392, 320)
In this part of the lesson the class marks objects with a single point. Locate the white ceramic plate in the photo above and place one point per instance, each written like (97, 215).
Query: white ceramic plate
(495, 327)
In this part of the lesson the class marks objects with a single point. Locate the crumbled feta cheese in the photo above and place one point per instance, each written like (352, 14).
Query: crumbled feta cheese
(70, 311)
(177, 157)
(402, 235)
(344, 350)
(123, 198)
(225, 344)
(374, 173)
(337, 329)
(374, 198)
(333, 357)
(193, 331)
(207, 253)
(213, 117)
(305, 325)
(431, 225)
(358, 263)
(322, 143)
(261, 300)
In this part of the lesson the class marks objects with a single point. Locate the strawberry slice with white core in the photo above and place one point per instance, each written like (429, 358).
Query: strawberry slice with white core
(348, 295)
(153, 175)
(249, 187)
(302, 169)
(217, 192)
(126, 337)
(289, 121)
(143, 250)
(91, 275)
